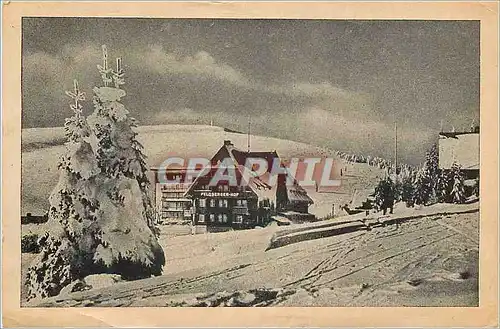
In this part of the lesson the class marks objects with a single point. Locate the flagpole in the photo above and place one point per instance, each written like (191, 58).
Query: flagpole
(248, 134)
(396, 148)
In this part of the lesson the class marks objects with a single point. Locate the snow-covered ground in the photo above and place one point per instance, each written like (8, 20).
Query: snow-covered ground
(430, 260)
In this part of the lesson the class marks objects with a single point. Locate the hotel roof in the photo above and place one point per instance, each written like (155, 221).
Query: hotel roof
(258, 184)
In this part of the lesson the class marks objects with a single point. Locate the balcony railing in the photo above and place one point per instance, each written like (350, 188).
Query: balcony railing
(175, 187)
(171, 199)
(240, 210)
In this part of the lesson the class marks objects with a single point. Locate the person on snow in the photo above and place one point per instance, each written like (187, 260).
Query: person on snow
(384, 195)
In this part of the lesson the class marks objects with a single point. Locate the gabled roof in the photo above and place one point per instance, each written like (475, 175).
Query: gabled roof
(258, 184)
(295, 192)
(241, 157)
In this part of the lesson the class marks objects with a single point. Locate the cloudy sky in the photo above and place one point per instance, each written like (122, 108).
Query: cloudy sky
(340, 84)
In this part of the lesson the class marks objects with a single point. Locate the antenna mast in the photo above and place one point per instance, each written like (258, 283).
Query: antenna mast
(396, 148)
(248, 134)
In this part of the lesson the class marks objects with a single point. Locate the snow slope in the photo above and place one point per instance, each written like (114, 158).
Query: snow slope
(431, 260)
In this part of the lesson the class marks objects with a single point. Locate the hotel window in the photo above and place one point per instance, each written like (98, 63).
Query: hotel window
(244, 202)
(212, 218)
(238, 219)
(202, 203)
(212, 203)
(225, 188)
(224, 218)
(222, 203)
(201, 218)
(219, 218)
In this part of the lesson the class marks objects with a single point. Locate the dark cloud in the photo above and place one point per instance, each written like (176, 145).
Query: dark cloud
(340, 84)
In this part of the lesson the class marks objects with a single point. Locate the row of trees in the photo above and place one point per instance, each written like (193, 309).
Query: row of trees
(425, 185)
(373, 161)
(101, 218)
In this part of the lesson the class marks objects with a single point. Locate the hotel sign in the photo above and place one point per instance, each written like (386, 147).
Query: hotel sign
(219, 194)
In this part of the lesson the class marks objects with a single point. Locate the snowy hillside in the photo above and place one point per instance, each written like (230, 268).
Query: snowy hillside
(42, 148)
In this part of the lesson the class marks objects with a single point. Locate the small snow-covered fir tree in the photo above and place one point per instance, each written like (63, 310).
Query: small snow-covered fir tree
(458, 189)
(66, 248)
(397, 187)
(408, 188)
(476, 187)
(432, 160)
(451, 188)
(427, 178)
(422, 191)
(100, 216)
(444, 186)
(432, 166)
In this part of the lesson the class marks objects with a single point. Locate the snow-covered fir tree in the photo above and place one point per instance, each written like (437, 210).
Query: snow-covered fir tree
(476, 187)
(408, 188)
(422, 191)
(66, 247)
(101, 216)
(385, 194)
(458, 189)
(432, 166)
(427, 179)
(118, 150)
(128, 244)
(444, 186)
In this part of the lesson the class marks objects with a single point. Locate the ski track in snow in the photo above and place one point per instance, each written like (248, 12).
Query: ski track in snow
(378, 267)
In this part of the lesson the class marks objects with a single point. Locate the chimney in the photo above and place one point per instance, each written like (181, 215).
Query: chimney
(227, 142)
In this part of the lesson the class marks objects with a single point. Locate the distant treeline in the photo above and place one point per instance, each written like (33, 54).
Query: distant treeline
(30, 219)
(232, 131)
(28, 146)
(373, 161)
